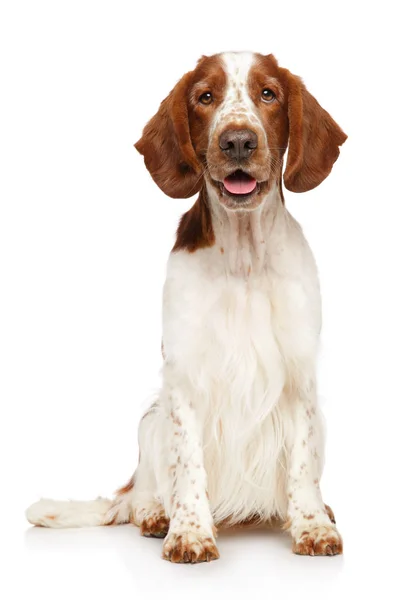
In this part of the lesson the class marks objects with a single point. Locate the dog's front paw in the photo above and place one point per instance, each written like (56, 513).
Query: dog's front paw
(319, 541)
(189, 547)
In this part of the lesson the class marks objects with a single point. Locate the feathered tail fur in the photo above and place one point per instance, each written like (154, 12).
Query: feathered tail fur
(60, 514)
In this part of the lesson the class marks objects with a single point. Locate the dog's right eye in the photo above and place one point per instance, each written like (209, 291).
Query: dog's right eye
(268, 96)
(206, 98)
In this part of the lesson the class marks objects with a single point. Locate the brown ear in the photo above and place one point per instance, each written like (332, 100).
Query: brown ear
(167, 148)
(314, 139)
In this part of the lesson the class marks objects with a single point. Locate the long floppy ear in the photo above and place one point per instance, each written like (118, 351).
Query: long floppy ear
(167, 148)
(314, 139)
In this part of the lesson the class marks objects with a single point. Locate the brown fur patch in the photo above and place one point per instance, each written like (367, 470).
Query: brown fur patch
(252, 521)
(176, 420)
(330, 513)
(129, 486)
(287, 525)
(112, 521)
(175, 143)
(167, 148)
(315, 138)
(312, 544)
(157, 526)
(195, 228)
(180, 550)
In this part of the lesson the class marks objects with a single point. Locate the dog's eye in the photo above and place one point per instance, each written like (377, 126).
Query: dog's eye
(206, 98)
(268, 96)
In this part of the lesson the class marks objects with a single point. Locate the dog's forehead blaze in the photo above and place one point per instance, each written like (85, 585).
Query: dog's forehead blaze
(237, 67)
(235, 108)
(234, 67)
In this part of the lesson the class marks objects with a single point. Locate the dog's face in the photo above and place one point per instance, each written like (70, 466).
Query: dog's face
(239, 126)
(229, 122)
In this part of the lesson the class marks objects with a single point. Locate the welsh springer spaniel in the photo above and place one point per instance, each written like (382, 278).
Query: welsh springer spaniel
(235, 435)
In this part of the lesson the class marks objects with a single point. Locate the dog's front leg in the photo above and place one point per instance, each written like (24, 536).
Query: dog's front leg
(310, 525)
(191, 536)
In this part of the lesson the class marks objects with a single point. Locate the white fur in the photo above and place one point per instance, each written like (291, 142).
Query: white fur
(58, 514)
(237, 103)
(242, 345)
(237, 417)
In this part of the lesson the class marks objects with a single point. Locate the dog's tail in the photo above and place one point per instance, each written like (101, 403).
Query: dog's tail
(59, 514)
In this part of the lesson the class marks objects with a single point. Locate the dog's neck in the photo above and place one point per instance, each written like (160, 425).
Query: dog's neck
(243, 237)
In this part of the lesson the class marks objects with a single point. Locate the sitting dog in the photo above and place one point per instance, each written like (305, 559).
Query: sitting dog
(235, 434)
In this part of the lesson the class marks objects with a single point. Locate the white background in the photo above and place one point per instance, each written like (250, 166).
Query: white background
(84, 238)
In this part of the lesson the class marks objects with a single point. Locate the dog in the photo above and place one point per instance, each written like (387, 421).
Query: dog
(235, 434)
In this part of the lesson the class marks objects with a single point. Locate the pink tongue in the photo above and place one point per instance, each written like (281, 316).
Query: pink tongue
(239, 185)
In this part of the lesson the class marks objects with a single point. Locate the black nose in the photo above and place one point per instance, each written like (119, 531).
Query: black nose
(238, 143)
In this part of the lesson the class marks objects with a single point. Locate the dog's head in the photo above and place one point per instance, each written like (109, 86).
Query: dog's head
(229, 122)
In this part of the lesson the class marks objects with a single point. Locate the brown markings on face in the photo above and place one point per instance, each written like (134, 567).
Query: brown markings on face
(266, 162)
(270, 126)
(296, 117)
(265, 73)
(209, 76)
(195, 228)
(293, 116)
(178, 150)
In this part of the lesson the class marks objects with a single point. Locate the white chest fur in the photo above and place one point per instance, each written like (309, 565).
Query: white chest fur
(241, 329)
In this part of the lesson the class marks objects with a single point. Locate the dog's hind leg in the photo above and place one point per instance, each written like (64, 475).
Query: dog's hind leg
(138, 501)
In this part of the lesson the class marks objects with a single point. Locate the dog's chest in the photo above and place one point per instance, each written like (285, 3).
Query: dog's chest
(233, 332)
(233, 341)
(211, 315)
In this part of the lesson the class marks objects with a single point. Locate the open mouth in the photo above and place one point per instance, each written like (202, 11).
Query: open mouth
(239, 185)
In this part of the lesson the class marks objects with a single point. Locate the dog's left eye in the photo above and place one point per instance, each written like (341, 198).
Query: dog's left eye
(206, 98)
(268, 96)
